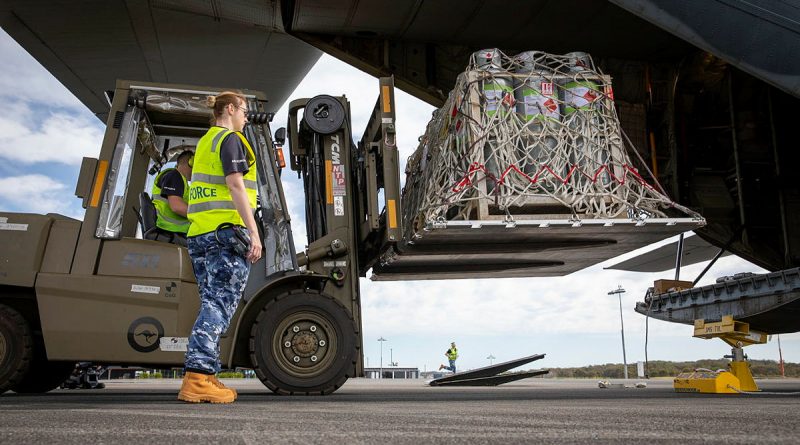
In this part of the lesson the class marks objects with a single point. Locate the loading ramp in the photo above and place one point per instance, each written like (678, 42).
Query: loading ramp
(491, 375)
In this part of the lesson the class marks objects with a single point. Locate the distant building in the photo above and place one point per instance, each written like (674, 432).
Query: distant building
(430, 375)
(392, 373)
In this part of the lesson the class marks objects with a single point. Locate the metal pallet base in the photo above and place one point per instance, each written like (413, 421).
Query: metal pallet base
(525, 248)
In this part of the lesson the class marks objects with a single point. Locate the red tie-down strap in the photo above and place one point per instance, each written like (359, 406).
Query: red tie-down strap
(475, 167)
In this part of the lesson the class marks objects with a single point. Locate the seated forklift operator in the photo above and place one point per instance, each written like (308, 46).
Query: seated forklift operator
(170, 199)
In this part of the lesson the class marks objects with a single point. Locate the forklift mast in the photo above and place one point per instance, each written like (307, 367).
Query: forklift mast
(347, 227)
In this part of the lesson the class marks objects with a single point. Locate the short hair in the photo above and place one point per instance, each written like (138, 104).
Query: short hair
(184, 157)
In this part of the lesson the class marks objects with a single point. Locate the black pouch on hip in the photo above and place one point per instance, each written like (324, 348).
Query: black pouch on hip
(240, 242)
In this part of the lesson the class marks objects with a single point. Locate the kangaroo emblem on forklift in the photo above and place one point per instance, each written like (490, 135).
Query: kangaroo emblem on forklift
(141, 333)
(147, 335)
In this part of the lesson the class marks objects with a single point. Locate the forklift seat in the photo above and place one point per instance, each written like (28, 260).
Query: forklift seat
(148, 216)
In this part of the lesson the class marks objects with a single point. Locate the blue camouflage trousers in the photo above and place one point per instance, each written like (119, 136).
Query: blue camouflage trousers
(221, 278)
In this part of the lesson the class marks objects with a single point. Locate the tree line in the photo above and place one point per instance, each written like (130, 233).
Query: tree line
(660, 368)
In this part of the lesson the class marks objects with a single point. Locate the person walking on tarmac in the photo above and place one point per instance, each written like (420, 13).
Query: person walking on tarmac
(171, 199)
(222, 239)
(452, 355)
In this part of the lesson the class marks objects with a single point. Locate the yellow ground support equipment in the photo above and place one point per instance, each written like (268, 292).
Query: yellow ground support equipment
(738, 378)
(706, 381)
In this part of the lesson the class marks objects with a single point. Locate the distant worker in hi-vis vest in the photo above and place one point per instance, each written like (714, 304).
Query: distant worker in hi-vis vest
(170, 194)
(452, 355)
(222, 239)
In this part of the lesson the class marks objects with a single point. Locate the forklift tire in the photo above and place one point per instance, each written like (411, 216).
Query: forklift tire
(303, 342)
(43, 376)
(16, 348)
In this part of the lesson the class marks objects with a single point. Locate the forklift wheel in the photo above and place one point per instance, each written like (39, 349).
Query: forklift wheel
(303, 342)
(16, 347)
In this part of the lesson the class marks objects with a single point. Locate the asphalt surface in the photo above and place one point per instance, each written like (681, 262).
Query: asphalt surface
(371, 411)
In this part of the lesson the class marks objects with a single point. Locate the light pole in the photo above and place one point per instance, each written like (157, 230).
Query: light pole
(619, 291)
(381, 340)
(490, 358)
(391, 357)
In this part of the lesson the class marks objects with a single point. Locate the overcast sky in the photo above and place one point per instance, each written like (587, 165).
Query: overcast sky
(45, 131)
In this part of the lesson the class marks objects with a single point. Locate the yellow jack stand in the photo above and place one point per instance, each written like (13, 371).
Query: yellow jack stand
(739, 378)
(741, 370)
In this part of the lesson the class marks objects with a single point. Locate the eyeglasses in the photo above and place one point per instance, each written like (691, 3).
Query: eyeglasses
(244, 109)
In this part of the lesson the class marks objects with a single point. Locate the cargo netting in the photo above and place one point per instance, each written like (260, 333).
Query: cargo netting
(533, 134)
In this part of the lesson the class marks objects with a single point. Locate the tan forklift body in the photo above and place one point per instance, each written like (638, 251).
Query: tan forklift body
(98, 290)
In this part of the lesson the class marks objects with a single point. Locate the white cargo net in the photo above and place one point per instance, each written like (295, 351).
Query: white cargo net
(536, 131)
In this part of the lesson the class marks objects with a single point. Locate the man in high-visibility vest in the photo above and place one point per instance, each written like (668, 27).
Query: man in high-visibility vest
(222, 240)
(171, 199)
(452, 355)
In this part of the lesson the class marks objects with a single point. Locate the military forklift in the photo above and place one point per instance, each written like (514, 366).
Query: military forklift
(105, 290)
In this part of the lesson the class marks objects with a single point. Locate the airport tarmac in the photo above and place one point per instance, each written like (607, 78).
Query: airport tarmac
(406, 411)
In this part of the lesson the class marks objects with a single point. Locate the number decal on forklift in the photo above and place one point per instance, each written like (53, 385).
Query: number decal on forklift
(140, 260)
(142, 289)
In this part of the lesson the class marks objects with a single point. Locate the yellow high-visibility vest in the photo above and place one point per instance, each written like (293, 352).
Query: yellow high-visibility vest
(166, 219)
(452, 353)
(210, 201)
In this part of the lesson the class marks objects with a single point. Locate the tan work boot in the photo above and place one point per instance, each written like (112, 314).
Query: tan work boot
(219, 384)
(198, 388)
